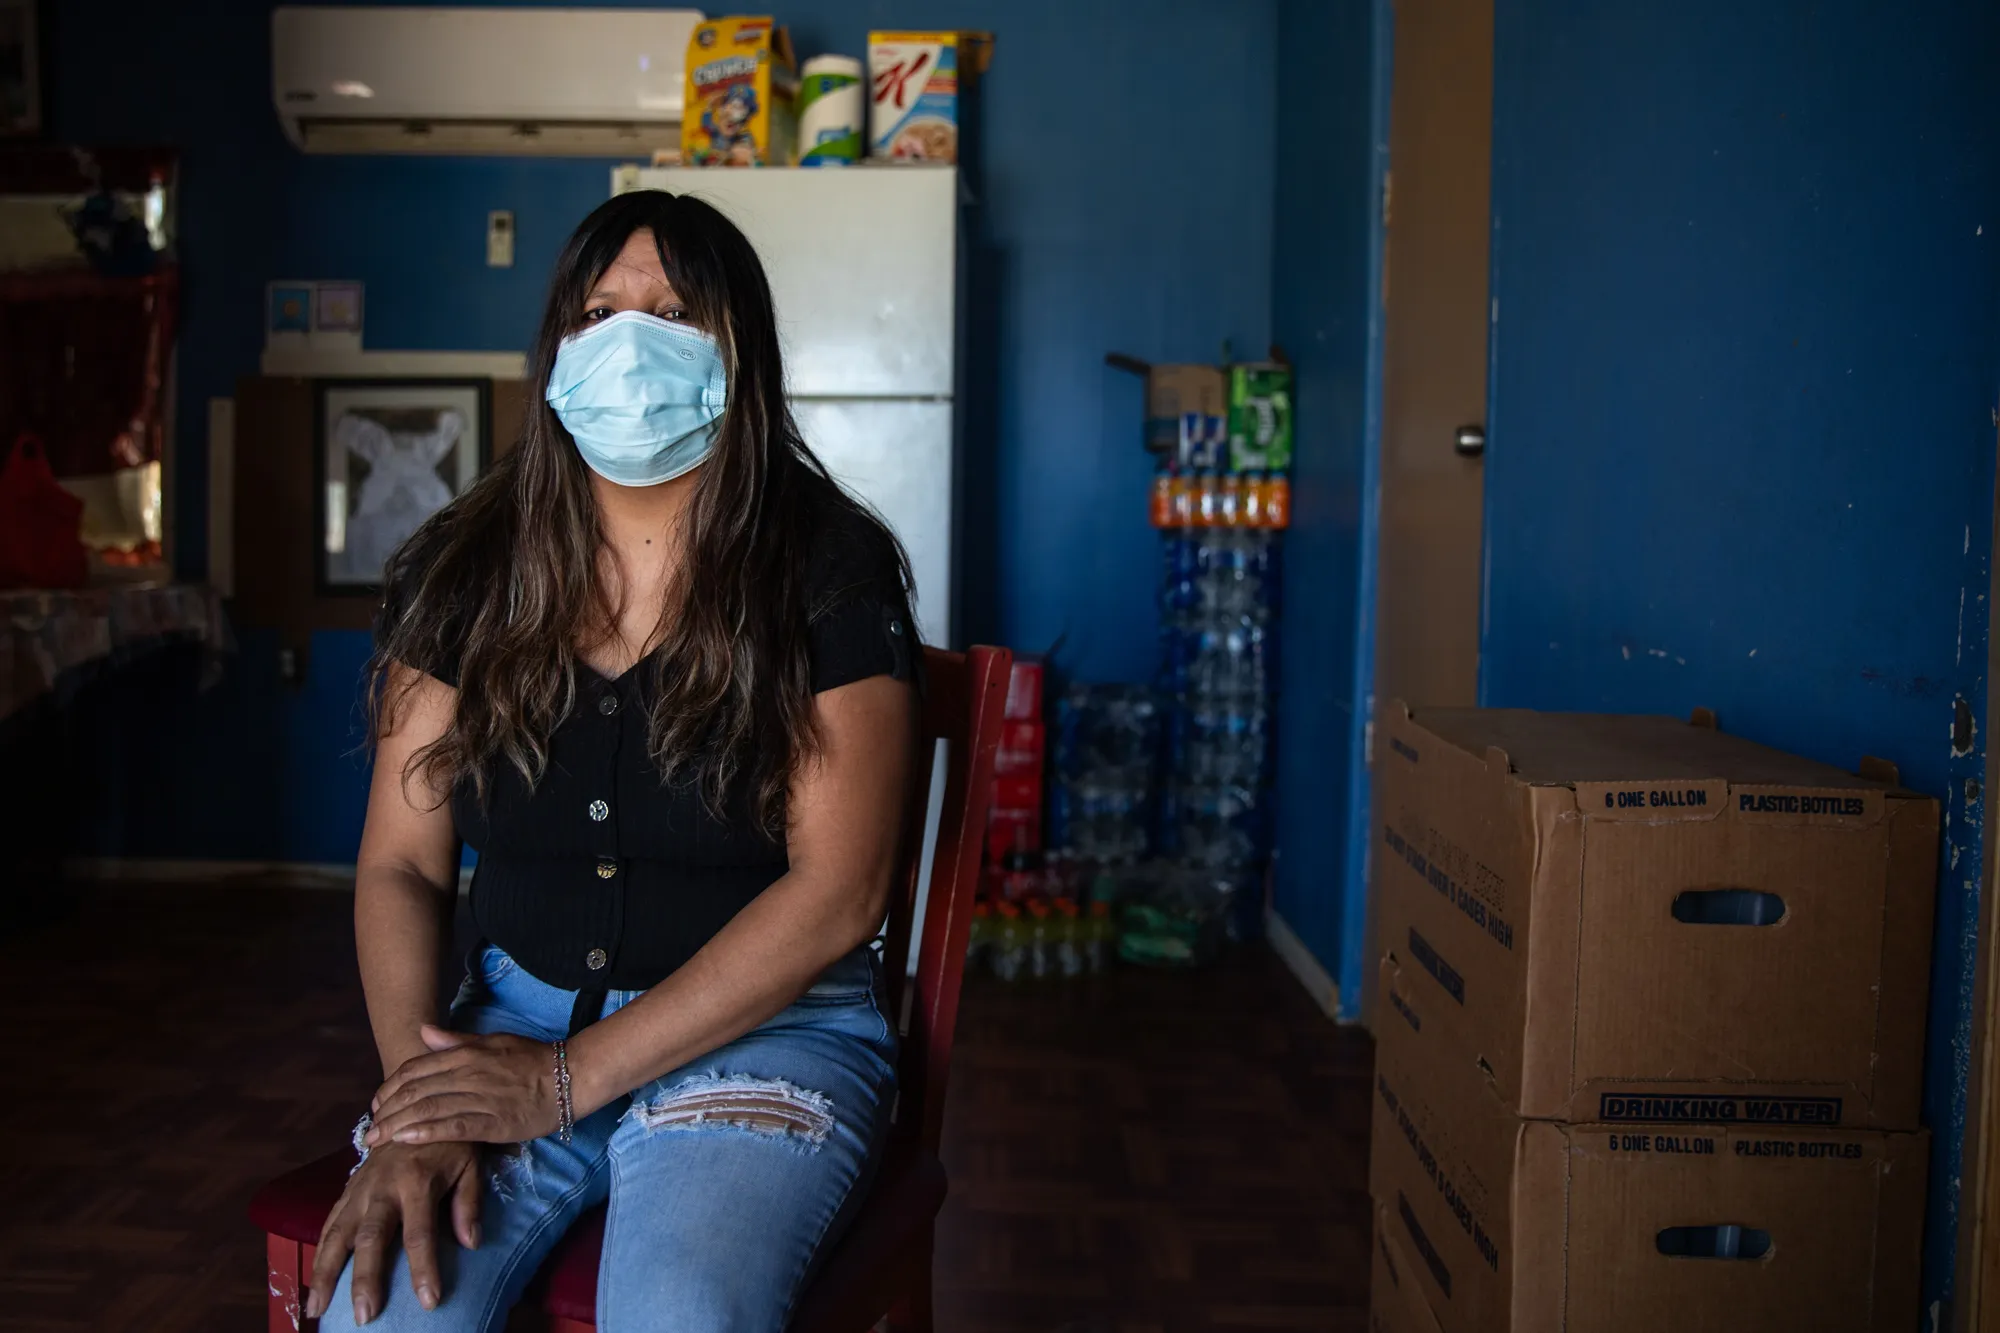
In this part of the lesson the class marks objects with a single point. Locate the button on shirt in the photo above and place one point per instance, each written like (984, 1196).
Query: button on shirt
(602, 876)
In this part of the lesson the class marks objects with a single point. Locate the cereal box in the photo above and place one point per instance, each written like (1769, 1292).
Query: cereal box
(918, 77)
(741, 88)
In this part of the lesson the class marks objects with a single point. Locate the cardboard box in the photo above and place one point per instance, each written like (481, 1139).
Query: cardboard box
(1260, 417)
(741, 89)
(1174, 393)
(1529, 1226)
(1571, 887)
(918, 86)
(1396, 1303)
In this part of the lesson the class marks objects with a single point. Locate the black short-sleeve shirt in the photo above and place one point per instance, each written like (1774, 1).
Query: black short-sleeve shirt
(601, 876)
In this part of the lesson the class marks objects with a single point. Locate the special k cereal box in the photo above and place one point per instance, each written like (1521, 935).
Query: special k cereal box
(741, 89)
(918, 79)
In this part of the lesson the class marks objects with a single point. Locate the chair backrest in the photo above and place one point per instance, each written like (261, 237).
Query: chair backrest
(965, 700)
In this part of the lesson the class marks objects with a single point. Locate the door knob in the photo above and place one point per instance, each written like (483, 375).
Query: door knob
(1469, 441)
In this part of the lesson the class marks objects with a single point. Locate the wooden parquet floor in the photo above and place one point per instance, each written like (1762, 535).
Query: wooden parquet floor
(1152, 1152)
(1145, 1153)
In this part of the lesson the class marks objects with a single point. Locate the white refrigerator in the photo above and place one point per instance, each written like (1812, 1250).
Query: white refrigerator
(864, 270)
(865, 274)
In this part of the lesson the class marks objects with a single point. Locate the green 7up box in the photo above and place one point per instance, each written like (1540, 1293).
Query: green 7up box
(1260, 417)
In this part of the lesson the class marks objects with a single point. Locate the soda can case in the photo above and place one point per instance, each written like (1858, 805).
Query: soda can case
(1024, 689)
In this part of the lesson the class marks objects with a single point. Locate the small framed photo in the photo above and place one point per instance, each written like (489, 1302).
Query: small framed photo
(288, 312)
(337, 308)
(20, 70)
(388, 454)
(303, 315)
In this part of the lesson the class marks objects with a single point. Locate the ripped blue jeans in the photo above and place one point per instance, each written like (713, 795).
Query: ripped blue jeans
(726, 1179)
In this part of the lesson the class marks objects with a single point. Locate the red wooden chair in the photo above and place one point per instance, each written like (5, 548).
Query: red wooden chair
(883, 1264)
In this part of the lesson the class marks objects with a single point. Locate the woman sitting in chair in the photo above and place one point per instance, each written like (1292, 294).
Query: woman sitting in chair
(658, 669)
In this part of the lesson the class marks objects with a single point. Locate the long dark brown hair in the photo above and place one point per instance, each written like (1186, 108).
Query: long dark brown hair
(501, 584)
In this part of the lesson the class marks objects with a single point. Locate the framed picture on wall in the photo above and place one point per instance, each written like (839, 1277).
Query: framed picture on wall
(20, 70)
(389, 454)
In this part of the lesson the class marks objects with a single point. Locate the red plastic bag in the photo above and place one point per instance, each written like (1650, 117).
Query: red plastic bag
(39, 524)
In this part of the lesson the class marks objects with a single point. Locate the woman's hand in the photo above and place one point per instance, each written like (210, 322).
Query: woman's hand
(396, 1186)
(492, 1089)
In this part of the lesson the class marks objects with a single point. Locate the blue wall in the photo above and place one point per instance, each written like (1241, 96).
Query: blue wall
(1129, 191)
(1746, 353)
(1332, 122)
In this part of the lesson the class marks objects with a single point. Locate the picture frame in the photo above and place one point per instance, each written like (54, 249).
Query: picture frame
(387, 454)
(312, 314)
(287, 311)
(336, 308)
(20, 69)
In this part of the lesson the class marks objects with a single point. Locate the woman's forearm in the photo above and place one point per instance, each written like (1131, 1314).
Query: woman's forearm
(764, 959)
(399, 922)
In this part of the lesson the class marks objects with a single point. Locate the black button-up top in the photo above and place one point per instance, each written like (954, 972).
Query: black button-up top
(601, 876)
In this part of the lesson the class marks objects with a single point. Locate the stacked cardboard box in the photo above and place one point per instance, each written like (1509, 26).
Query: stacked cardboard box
(1014, 819)
(1398, 1302)
(1650, 1029)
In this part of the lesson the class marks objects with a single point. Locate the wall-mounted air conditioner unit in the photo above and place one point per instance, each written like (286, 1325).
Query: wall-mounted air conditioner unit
(579, 82)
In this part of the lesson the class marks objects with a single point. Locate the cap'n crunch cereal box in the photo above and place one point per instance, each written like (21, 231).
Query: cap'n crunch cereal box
(917, 78)
(741, 89)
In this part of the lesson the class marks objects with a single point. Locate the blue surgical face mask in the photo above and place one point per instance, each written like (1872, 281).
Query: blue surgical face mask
(641, 396)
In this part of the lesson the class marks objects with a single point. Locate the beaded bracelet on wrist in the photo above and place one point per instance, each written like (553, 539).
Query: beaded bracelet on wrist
(565, 1110)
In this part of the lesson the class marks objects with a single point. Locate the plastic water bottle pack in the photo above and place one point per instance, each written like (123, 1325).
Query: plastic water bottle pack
(1107, 745)
(1218, 665)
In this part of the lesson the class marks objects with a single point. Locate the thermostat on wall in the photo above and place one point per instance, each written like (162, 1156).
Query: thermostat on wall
(500, 239)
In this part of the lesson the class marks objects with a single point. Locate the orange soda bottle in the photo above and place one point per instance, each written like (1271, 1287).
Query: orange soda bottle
(1009, 951)
(1278, 501)
(980, 938)
(1183, 502)
(1041, 944)
(1253, 501)
(1069, 942)
(1097, 938)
